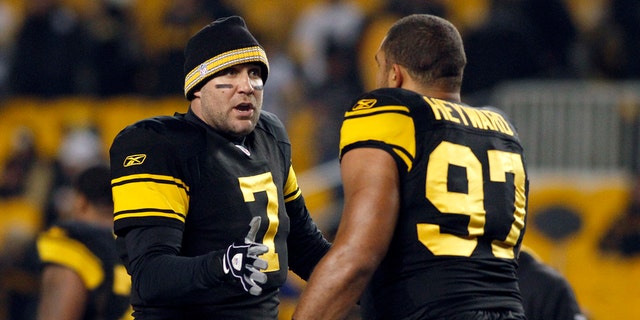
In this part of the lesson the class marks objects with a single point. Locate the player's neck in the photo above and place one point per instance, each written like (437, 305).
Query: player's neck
(432, 91)
(444, 95)
(439, 94)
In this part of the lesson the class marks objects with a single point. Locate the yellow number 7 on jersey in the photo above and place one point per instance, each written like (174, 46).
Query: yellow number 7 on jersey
(264, 183)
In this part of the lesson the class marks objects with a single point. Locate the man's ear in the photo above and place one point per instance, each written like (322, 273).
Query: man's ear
(396, 76)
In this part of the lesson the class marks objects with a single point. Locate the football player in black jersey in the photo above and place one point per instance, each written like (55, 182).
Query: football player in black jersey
(546, 293)
(82, 275)
(187, 187)
(435, 193)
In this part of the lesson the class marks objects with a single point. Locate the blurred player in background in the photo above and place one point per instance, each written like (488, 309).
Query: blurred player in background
(187, 187)
(435, 193)
(82, 276)
(546, 294)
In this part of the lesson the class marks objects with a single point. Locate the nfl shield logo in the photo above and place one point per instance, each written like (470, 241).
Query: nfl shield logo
(203, 70)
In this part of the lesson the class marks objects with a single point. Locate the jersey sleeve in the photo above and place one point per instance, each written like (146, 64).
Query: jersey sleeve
(377, 122)
(151, 201)
(306, 244)
(148, 187)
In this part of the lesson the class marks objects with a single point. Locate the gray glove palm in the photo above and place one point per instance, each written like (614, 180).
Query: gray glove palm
(242, 260)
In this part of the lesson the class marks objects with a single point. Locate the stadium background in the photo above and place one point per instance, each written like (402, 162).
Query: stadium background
(581, 129)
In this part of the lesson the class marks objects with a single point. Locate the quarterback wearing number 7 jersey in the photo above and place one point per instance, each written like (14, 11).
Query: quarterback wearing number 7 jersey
(207, 208)
(435, 194)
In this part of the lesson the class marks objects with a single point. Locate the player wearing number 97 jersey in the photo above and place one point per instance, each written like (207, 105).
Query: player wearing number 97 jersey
(435, 193)
(462, 206)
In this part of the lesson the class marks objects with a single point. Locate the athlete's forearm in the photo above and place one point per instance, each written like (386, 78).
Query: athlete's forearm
(332, 292)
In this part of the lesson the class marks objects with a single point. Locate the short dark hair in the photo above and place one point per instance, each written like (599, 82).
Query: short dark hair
(429, 47)
(94, 183)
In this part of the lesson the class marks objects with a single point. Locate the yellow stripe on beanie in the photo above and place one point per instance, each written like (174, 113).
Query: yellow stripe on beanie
(223, 61)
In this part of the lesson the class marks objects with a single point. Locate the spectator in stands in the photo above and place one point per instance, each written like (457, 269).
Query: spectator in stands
(342, 83)
(554, 33)
(81, 148)
(513, 44)
(24, 174)
(285, 94)
(179, 22)
(623, 236)
(613, 45)
(49, 51)
(8, 25)
(114, 53)
(322, 24)
(626, 14)
(218, 8)
(407, 7)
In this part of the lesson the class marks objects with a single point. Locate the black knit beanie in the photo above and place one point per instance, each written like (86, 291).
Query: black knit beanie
(221, 44)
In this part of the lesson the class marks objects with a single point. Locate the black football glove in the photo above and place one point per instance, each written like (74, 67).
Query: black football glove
(242, 262)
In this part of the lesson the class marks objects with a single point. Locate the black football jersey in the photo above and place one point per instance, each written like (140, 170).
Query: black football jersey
(463, 204)
(178, 172)
(90, 251)
(546, 293)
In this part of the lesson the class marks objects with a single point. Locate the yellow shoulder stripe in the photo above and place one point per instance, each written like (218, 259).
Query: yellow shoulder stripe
(55, 247)
(291, 188)
(391, 125)
(144, 195)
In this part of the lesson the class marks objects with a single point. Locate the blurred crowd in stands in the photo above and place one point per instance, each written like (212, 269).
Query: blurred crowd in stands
(316, 50)
(112, 47)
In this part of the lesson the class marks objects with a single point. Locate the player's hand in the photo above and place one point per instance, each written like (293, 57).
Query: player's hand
(242, 262)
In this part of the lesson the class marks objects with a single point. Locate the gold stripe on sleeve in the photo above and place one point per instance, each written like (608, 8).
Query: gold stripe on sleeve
(291, 188)
(391, 125)
(146, 195)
